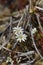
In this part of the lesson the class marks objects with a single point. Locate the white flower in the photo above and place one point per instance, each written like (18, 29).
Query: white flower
(9, 60)
(34, 31)
(21, 37)
(17, 30)
(19, 34)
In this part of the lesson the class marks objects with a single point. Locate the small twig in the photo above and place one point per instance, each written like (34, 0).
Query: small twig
(39, 8)
(27, 53)
(25, 14)
(20, 20)
(41, 1)
(10, 26)
(39, 23)
(6, 42)
(14, 22)
(27, 22)
(37, 2)
(31, 61)
(7, 49)
(4, 31)
(26, 32)
(30, 3)
(14, 45)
